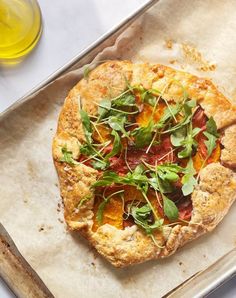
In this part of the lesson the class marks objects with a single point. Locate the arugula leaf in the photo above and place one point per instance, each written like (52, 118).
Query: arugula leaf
(136, 178)
(170, 209)
(167, 115)
(100, 211)
(117, 146)
(147, 95)
(150, 99)
(86, 72)
(117, 123)
(103, 108)
(211, 127)
(188, 179)
(169, 171)
(164, 175)
(126, 100)
(68, 157)
(212, 135)
(87, 150)
(163, 186)
(195, 131)
(178, 136)
(100, 164)
(182, 136)
(210, 142)
(86, 125)
(85, 199)
(102, 206)
(139, 170)
(143, 135)
(189, 142)
(117, 106)
(142, 217)
(108, 178)
(143, 211)
(188, 106)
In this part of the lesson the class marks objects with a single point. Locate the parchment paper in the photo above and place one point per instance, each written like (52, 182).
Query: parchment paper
(192, 35)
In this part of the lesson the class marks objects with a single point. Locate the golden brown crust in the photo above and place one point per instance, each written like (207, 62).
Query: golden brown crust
(228, 155)
(211, 198)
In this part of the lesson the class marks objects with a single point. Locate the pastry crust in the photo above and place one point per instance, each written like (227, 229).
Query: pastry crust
(211, 198)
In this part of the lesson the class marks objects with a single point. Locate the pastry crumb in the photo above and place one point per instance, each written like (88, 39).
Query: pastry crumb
(58, 207)
(41, 229)
(60, 220)
(44, 228)
(193, 56)
(173, 61)
(169, 44)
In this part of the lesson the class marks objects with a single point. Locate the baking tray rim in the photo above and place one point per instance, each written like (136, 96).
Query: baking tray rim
(82, 54)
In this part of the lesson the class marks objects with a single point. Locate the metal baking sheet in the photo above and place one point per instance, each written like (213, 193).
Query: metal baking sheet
(87, 55)
(222, 269)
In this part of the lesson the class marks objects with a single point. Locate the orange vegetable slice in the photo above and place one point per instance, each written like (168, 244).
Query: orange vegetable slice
(198, 159)
(145, 115)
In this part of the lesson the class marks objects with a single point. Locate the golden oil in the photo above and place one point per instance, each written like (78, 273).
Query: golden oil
(20, 28)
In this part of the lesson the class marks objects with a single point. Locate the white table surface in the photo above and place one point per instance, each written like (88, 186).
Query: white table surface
(69, 27)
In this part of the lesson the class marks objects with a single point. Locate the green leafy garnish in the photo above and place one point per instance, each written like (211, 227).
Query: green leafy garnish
(137, 178)
(117, 146)
(211, 127)
(142, 217)
(100, 211)
(103, 204)
(108, 178)
(162, 176)
(150, 99)
(86, 72)
(210, 143)
(125, 100)
(100, 164)
(170, 209)
(189, 143)
(163, 186)
(68, 157)
(184, 137)
(147, 95)
(117, 123)
(187, 107)
(161, 181)
(168, 114)
(84, 200)
(169, 172)
(188, 180)
(212, 136)
(119, 116)
(178, 136)
(104, 107)
(87, 150)
(143, 135)
(87, 127)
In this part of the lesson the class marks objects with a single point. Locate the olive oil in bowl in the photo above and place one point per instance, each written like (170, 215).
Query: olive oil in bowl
(20, 28)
